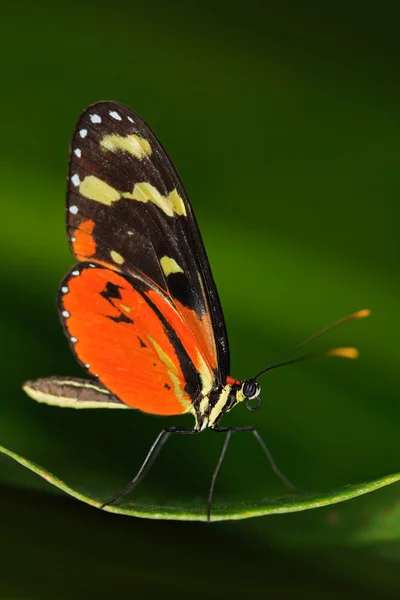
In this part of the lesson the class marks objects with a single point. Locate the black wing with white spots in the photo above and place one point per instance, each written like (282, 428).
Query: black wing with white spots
(127, 209)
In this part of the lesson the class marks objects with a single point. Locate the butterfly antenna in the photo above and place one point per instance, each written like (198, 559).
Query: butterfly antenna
(341, 352)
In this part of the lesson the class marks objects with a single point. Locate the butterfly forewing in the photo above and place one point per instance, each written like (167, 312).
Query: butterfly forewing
(128, 210)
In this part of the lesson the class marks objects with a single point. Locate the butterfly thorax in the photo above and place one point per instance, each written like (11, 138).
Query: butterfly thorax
(210, 409)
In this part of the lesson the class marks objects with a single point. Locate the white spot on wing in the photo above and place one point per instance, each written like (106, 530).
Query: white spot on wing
(130, 119)
(77, 152)
(92, 265)
(115, 115)
(87, 366)
(73, 239)
(64, 289)
(75, 273)
(95, 118)
(83, 133)
(75, 180)
(73, 209)
(74, 339)
(65, 314)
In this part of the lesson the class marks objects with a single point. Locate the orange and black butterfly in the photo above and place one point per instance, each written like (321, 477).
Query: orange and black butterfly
(141, 309)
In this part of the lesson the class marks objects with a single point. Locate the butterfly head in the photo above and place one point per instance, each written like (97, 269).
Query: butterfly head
(251, 391)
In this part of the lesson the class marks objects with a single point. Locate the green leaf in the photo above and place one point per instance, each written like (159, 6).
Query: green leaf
(226, 512)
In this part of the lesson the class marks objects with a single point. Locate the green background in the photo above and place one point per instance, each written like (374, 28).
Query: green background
(284, 123)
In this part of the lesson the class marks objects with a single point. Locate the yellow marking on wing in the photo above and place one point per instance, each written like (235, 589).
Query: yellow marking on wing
(126, 308)
(177, 203)
(134, 144)
(95, 189)
(205, 375)
(86, 385)
(67, 402)
(172, 373)
(178, 391)
(116, 257)
(145, 192)
(163, 356)
(169, 265)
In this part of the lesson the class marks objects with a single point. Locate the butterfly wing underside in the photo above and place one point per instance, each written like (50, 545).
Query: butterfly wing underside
(128, 214)
(141, 309)
(126, 207)
(131, 337)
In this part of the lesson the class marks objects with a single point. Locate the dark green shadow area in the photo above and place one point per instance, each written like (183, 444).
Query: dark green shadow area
(66, 550)
(283, 121)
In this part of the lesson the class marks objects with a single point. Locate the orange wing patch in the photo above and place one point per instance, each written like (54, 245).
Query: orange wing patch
(119, 336)
(190, 337)
(203, 331)
(83, 243)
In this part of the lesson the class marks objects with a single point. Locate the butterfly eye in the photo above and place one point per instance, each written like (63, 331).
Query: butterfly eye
(251, 389)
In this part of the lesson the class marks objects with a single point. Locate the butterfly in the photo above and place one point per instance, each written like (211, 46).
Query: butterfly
(141, 309)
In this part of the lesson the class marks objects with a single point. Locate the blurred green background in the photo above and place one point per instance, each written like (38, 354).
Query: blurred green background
(283, 120)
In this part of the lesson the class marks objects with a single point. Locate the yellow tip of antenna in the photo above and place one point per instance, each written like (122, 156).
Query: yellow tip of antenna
(362, 313)
(343, 352)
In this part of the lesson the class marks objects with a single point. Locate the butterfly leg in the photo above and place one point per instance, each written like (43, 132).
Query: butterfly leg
(152, 454)
(274, 466)
(216, 471)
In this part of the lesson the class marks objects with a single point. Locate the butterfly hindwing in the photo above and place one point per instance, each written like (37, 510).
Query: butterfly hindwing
(71, 392)
(127, 209)
(131, 336)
